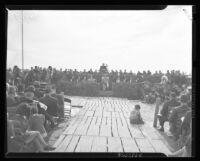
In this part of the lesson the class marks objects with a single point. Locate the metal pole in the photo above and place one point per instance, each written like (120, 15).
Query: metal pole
(22, 44)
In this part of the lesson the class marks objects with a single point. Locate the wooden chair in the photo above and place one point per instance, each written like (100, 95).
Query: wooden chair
(67, 108)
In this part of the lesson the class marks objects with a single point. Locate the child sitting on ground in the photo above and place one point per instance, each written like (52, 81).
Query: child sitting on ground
(135, 117)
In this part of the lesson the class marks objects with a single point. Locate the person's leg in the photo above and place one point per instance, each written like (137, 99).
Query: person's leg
(62, 111)
(163, 116)
(161, 121)
(39, 145)
(31, 136)
(41, 140)
(44, 144)
(47, 117)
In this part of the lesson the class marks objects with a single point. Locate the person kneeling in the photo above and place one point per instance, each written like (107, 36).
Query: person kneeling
(135, 116)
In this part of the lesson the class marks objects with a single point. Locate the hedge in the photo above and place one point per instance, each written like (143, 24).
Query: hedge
(127, 90)
(124, 90)
(78, 89)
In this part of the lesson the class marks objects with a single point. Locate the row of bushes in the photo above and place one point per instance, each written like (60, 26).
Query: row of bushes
(87, 88)
(126, 90)
(78, 89)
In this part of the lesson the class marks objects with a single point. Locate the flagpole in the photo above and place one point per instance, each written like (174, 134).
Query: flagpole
(22, 44)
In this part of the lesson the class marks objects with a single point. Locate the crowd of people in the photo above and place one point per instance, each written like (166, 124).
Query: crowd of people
(32, 112)
(149, 82)
(17, 76)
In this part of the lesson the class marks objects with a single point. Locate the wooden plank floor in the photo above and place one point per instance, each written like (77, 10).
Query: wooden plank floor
(102, 125)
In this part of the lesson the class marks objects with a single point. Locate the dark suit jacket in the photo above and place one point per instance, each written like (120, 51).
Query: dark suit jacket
(51, 103)
(59, 98)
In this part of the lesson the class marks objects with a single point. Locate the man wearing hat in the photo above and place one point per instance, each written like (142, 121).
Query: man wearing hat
(177, 113)
(164, 112)
(60, 98)
(50, 102)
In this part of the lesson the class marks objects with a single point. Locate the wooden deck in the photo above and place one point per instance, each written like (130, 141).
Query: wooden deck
(102, 125)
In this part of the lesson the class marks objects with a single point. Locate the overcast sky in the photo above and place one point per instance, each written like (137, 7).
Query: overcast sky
(131, 40)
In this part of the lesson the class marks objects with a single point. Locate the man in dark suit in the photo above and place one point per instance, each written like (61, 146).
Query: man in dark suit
(60, 99)
(50, 102)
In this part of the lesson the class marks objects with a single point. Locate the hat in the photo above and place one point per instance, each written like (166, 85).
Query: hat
(184, 98)
(30, 89)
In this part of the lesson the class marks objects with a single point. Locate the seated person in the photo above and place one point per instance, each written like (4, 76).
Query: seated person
(36, 121)
(135, 116)
(185, 151)
(60, 100)
(22, 130)
(164, 112)
(50, 102)
(177, 113)
(185, 129)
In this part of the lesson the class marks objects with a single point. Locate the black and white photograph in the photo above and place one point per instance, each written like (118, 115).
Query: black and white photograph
(100, 81)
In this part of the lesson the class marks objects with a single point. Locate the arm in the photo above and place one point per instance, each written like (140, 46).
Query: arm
(18, 131)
